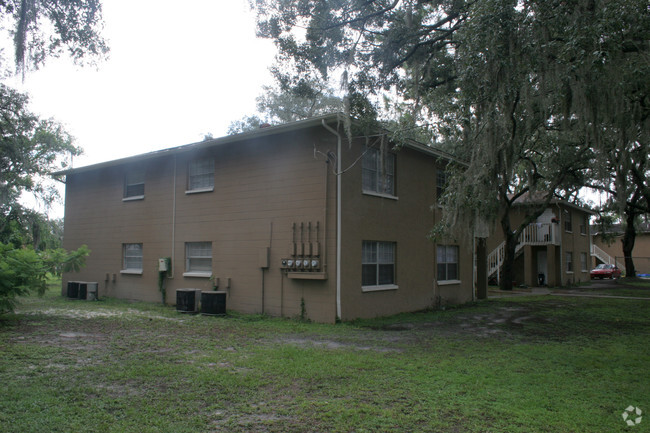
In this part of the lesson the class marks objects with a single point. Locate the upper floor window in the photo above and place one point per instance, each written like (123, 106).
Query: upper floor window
(441, 183)
(568, 225)
(378, 264)
(131, 258)
(583, 225)
(378, 172)
(134, 185)
(200, 175)
(447, 262)
(198, 259)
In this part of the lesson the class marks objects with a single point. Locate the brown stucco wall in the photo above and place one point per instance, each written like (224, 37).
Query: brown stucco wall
(407, 220)
(557, 274)
(614, 247)
(262, 187)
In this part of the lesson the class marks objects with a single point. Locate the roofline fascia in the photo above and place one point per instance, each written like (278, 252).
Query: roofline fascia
(258, 133)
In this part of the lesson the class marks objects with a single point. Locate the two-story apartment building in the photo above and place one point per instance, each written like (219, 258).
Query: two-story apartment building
(553, 251)
(289, 219)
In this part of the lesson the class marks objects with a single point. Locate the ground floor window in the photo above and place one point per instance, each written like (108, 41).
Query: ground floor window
(198, 257)
(132, 258)
(583, 261)
(378, 263)
(569, 261)
(447, 262)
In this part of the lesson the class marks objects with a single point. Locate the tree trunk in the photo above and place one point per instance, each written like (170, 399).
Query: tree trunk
(628, 244)
(507, 271)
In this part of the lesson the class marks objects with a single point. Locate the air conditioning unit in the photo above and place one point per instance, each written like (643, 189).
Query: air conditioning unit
(73, 289)
(187, 300)
(213, 303)
(92, 291)
(83, 290)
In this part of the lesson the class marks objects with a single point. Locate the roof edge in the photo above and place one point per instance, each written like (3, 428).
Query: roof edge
(257, 133)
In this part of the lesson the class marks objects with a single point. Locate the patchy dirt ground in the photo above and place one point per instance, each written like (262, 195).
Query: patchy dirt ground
(113, 356)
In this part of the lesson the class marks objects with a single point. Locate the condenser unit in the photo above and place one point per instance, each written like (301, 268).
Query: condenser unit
(187, 300)
(213, 303)
(73, 290)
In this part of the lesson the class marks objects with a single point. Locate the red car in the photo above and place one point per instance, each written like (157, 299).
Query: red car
(605, 271)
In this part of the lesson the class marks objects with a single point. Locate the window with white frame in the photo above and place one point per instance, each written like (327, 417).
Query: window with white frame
(378, 264)
(447, 262)
(378, 171)
(583, 225)
(568, 224)
(134, 185)
(569, 261)
(198, 259)
(200, 175)
(583, 262)
(132, 258)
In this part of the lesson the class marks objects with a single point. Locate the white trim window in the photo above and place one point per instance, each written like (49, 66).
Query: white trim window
(200, 175)
(584, 224)
(198, 259)
(569, 261)
(568, 223)
(378, 172)
(134, 185)
(131, 259)
(378, 264)
(447, 263)
(583, 262)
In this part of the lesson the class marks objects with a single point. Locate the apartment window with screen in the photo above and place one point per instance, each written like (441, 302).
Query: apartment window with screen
(134, 185)
(198, 259)
(569, 261)
(201, 175)
(447, 262)
(378, 172)
(583, 262)
(131, 258)
(568, 224)
(583, 226)
(441, 183)
(378, 264)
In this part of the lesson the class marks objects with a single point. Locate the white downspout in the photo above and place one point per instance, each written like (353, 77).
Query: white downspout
(173, 222)
(338, 218)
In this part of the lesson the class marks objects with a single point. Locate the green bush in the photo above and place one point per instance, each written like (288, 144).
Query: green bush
(24, 270)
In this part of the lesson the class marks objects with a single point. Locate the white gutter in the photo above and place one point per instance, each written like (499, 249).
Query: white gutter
(173, 256)
(338, 217)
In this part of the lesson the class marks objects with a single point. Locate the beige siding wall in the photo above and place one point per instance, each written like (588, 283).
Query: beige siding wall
(578, 243)
(641, 252)
(405, 220)
(265, 190)
(530, 263)
(261, 188)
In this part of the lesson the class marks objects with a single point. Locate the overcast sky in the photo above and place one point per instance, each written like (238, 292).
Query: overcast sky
(176, 72)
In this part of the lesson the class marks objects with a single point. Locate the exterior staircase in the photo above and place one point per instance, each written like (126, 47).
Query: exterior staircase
(533, 234)
(606, 258)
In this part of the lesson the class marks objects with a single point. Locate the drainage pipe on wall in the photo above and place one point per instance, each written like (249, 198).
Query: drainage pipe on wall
(171, 271)
(338, 217)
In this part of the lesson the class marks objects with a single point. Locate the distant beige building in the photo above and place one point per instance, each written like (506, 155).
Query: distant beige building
(553, 251)
(608, 248)
(287, 220)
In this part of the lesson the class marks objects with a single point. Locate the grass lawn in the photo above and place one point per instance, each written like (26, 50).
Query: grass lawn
(524, 364)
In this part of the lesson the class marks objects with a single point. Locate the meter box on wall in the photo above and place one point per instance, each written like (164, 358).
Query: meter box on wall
(304, 249)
